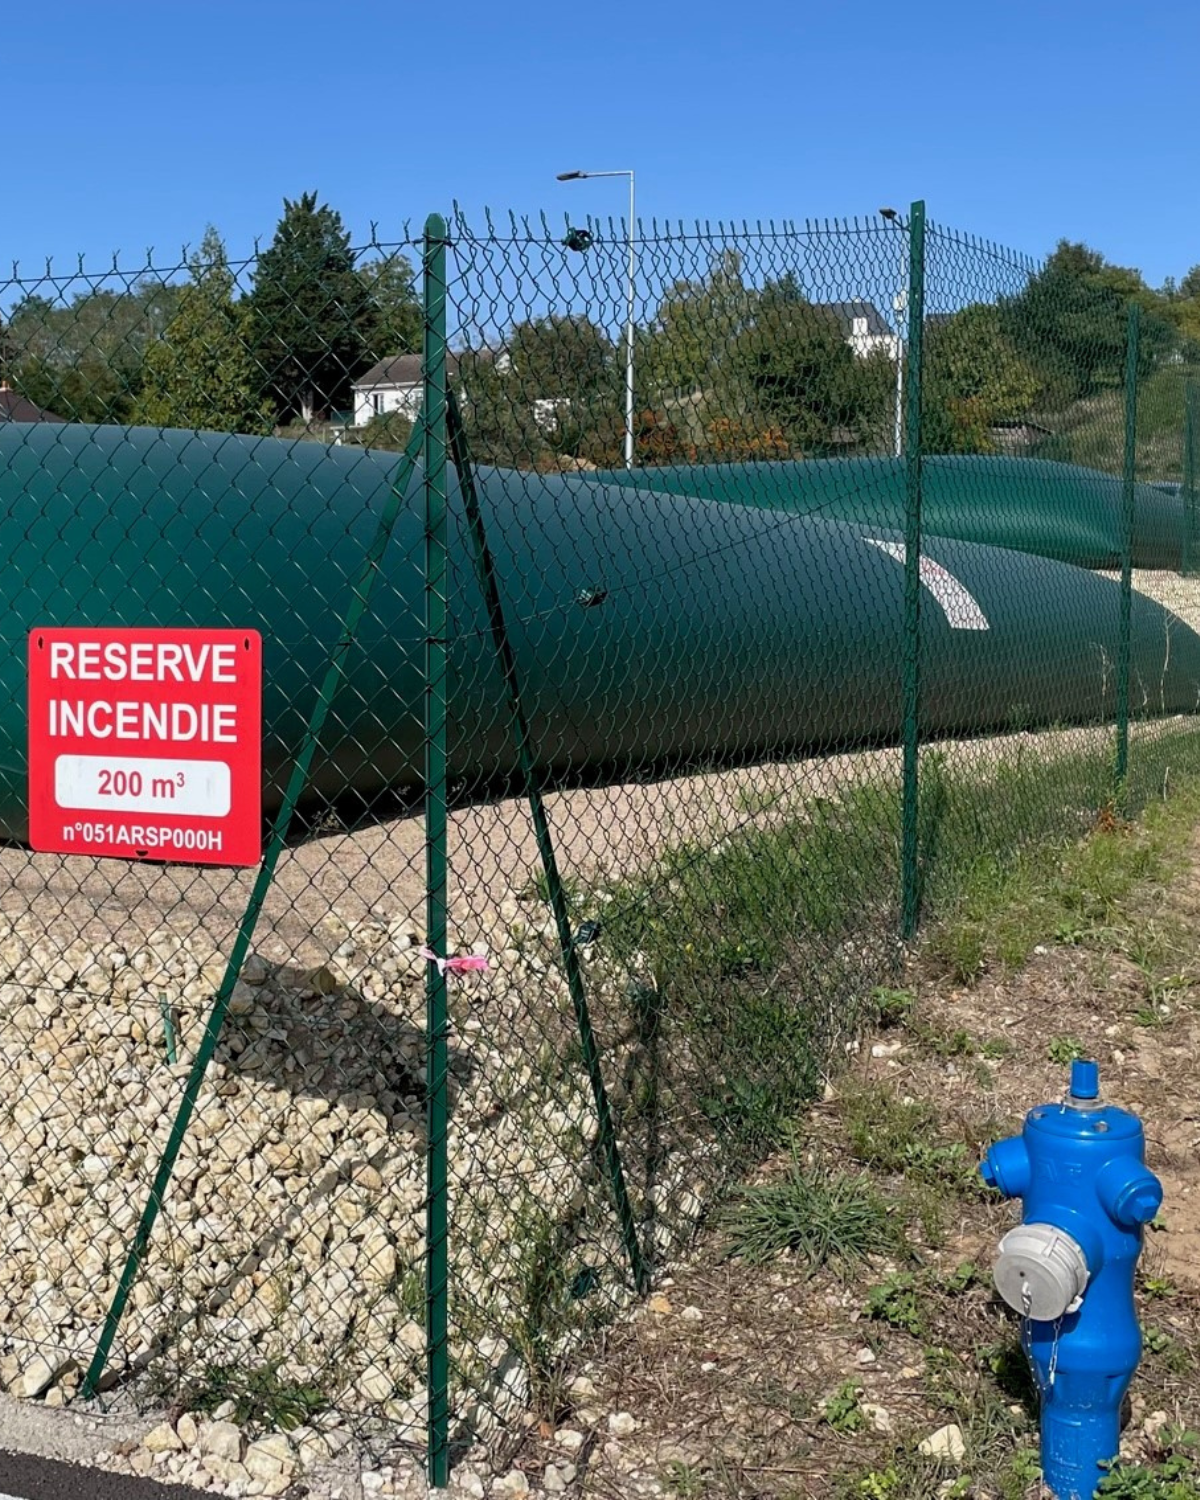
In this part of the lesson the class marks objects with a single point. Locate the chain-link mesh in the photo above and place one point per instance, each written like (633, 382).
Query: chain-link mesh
(1057, 357)
(871, 608)
(721, 637)
(729, 909)
(184, 445)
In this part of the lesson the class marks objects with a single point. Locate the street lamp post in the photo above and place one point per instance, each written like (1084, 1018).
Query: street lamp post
(630, 290)
(899, 307)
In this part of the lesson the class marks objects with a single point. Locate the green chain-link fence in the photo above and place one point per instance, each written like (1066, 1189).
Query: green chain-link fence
(683, 645)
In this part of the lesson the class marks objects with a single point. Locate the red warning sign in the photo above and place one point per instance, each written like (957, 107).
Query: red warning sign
(146, 744)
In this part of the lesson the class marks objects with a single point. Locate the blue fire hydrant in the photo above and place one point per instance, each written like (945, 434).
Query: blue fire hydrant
(1079, 1169)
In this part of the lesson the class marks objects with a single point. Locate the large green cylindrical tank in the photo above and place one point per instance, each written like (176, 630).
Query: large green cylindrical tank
(1063, 511)
(653, 633)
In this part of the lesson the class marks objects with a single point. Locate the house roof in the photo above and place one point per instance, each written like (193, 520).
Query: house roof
(405, 369)
(16, 408)
(846, 312)
(1020, 424)
(400, 370)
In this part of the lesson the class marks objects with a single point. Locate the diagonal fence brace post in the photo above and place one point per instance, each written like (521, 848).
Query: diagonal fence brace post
(363, 586)
(523, 739)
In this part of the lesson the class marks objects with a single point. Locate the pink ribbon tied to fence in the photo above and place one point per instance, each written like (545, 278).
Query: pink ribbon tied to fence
(463, 963)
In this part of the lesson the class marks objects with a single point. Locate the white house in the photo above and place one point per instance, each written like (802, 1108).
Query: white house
(391, 385)
(395, 385)
(865, 328)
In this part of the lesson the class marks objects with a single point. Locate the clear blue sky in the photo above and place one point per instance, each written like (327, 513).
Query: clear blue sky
(137, 122)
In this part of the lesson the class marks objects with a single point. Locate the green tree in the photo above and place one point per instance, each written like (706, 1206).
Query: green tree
(499, 421)
(696, 325)
(796, 370)
(1069, 324)
(556, 394)
(9, 355)
(311, 312)
(565, 373)
(202, 374)
(759, 371)
(973, 379)
(1183, 309)
(390, 431)
(393, 308)
(560, 358)
(83, 359)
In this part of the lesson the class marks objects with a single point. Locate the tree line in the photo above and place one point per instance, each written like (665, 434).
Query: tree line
(729, 370)
(200, 354)
(727, 366)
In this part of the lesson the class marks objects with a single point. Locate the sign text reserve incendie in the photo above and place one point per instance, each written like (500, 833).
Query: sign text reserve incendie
(146, 744)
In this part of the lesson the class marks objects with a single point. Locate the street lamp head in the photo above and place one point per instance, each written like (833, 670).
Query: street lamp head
(570, 176)
(887, 213)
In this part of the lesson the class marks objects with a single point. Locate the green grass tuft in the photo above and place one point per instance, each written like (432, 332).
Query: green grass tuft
(842, 1410)
(905, 1136)
(1173, 1475)
(822, 1218)
(262, 1397)
(896, 1301)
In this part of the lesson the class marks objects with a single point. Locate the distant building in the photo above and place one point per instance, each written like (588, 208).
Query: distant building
(17, 408)
(1017, 435)
(395, 385)
(864, 328)
(392, 385)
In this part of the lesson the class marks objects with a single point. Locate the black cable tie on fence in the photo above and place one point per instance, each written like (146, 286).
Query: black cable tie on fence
(587, 934)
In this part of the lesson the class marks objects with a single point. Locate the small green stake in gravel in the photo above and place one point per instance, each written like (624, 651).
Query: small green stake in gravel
(168, 1029)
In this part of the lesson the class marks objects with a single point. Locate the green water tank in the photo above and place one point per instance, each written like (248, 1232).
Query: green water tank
(1063, 511)
(654, 633)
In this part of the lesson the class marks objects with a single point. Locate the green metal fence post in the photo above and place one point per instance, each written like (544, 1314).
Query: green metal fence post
(1121, 766)
(910, 897)
(360, 598)
(523, 738)
(1191, 402)
(437, 1259)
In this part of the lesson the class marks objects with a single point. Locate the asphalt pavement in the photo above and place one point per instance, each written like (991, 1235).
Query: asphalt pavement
(25, 1478)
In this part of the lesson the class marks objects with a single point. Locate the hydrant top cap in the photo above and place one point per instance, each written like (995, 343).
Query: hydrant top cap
(1085, 1079)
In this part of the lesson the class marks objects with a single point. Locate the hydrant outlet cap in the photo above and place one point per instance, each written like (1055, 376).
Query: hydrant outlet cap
(1140, 1202)
(1040, 1272)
